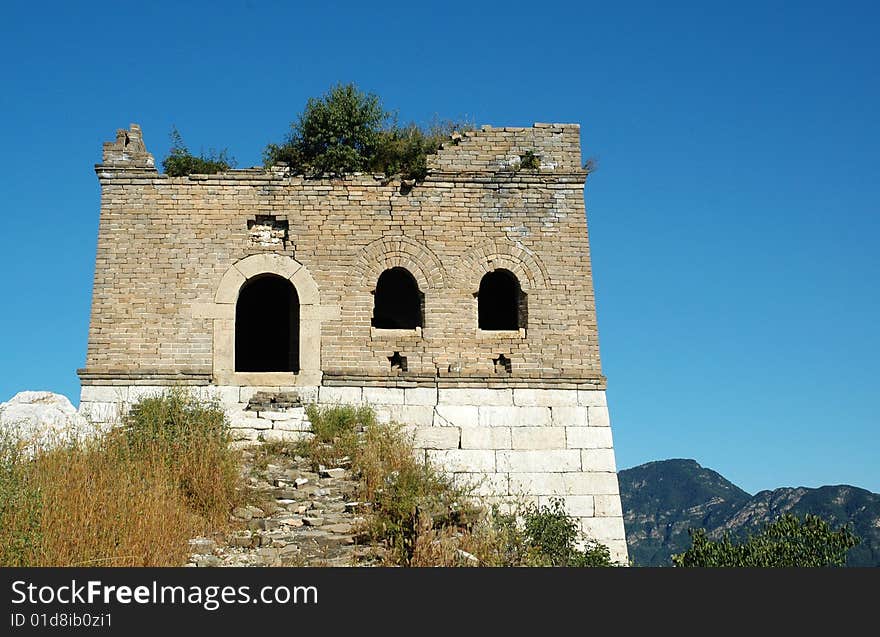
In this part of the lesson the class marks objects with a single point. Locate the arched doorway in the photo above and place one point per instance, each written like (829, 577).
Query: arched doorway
(267, 332)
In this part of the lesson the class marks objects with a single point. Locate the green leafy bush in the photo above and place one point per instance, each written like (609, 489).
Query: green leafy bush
(555, 536)
(181, 162)
(788, 541)
(346, 131)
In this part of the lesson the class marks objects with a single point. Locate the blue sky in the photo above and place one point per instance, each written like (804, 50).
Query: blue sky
(733, 220)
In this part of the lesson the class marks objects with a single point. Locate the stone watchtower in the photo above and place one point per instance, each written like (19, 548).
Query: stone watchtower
(461, 306)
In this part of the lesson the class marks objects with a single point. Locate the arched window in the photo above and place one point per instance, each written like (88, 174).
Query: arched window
(501, 303)
(267, 326)
(398, 302)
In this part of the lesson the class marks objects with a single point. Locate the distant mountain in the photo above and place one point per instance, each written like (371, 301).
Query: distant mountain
(662, 500)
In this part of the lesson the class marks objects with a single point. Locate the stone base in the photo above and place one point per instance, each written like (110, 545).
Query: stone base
(513, 444)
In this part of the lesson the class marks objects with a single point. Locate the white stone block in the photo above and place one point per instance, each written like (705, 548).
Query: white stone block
(103, 394)
(243, 444)
(514, 416)
(137, 393)
(588, 437)
(244, 434)
(227, 395)
(474, 396)
(598, 460)
(590, 483)
(340, 395)
(575, 505)
(456, 416)
(599, 417)
(463, 460)
(485, 438)
(592, 398)
(292, 425)
(545, 397)
(570, 416)
(420, 396)
(607, 506)
(383, 395)
(416, 415)
(618, 551)
(245, 420)
(483, 484)
(539, 461)
(101, 413)
(292, 414)
(538, 438)
(536, 484)
(437, 437)
(602, 529)
(279, 435)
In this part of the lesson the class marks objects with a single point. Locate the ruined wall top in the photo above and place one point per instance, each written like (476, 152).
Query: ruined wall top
(128, 151)
(556, 146)
(489, 150)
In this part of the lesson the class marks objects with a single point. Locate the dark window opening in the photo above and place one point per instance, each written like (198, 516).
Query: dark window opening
(500, 302)
(398, 362)
(267, 326)
(398, 302)
(503, 365)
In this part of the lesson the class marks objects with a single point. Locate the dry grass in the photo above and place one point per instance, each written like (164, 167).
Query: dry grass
(423, 518)
(133, 497)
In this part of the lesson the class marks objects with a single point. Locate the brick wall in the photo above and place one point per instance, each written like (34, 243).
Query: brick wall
(165, 243)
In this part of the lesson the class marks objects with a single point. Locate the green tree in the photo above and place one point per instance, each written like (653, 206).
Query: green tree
(182, 162)
(337, 133)
(346, 131)
(788, 541)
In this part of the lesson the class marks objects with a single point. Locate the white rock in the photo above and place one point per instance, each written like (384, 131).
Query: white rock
(44, 419)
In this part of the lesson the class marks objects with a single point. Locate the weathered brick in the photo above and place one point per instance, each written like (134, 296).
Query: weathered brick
(514, 416)
(545, 397)
(456, 416)
(437, 437)
(485, 438)
(340, 395)
(539, 461)
(590, 483)
(464, 460)
(455, 396)
(537, 483)
(588, 437)
(538, 438)
(383, 396)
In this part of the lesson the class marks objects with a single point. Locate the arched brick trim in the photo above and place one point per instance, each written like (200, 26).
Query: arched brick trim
(403, 252)
(527, 267)
(310, 321)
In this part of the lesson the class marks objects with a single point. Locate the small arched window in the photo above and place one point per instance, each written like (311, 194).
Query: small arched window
(501, 303)
(398, 301)
(267, 326)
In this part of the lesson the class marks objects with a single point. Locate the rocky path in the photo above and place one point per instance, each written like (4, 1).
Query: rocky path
(297, 517)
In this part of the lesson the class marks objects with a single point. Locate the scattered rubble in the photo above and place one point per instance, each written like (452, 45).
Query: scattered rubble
(296, 517)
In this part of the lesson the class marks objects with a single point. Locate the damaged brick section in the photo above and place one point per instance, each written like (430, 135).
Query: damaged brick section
(266, 231)
(272, 401)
